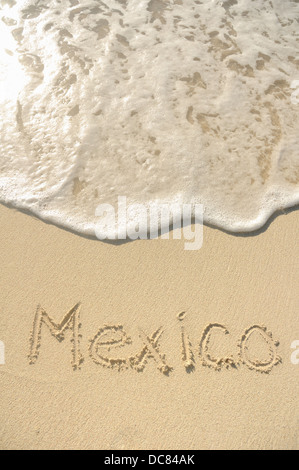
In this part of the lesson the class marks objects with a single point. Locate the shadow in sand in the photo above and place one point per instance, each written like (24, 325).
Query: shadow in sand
(253, 233)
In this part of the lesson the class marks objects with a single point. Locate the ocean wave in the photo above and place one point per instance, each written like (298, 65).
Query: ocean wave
(155, 100)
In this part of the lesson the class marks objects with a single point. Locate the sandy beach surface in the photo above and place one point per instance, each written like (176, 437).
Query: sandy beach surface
(176, 349)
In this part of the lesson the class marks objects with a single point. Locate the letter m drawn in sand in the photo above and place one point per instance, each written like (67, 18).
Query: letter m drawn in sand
(70, 321)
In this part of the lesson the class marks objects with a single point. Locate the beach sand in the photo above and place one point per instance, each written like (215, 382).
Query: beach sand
(233, 284)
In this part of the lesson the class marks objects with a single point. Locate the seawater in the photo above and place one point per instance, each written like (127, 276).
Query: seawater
(170, 101)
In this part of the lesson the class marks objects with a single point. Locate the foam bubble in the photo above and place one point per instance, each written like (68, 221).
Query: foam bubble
(156, 100)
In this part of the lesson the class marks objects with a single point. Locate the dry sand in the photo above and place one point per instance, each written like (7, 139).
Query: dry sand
(235, 282)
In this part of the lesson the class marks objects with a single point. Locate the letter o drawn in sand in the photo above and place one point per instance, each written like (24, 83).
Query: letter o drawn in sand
(2, 353)
(256, 364)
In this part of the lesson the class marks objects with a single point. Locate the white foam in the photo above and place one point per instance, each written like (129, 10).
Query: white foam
(156, 100)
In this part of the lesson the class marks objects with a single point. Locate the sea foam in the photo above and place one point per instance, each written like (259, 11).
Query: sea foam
(156, 100)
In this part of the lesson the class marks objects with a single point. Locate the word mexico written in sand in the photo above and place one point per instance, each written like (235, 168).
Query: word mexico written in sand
(113, 337)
